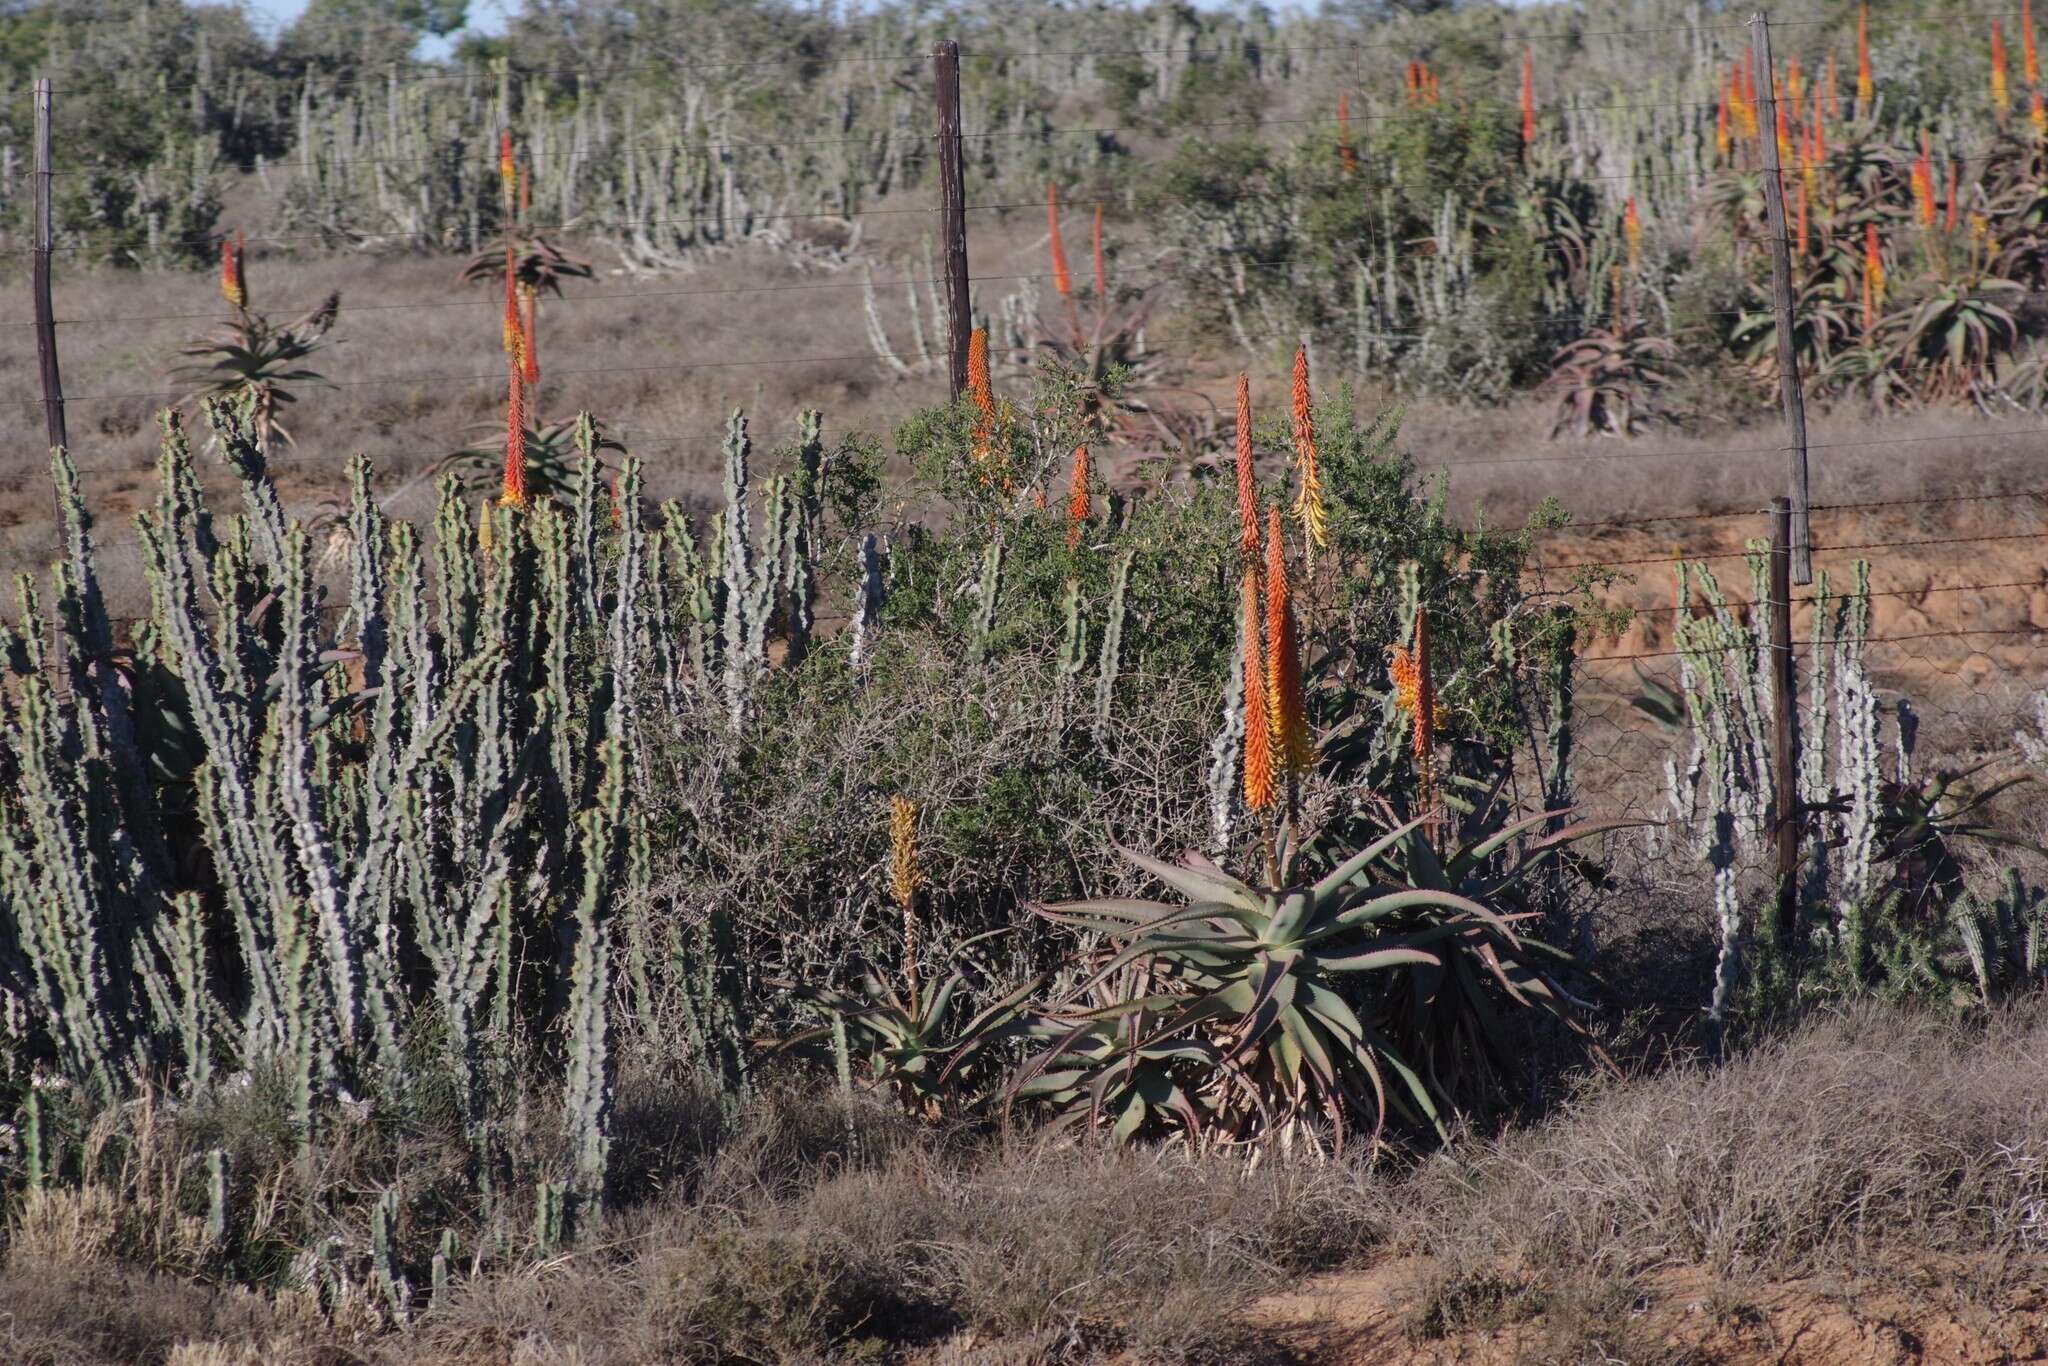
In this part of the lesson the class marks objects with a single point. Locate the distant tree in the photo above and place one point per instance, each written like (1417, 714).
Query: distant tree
(344, 34)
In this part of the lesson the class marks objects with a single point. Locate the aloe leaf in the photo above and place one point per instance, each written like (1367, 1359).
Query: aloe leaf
(1350, 868)
(1194, 883)
(1380, 907)
(1371, 960)
(1272, 982)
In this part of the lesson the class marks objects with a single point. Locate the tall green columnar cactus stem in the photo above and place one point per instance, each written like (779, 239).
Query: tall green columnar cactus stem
(990, 592)
(1110, 661)
(867, 610)
(397, 1295)
(458, 585)
(659, 646)
(1728, 912)
(696, 590)
(625, 634)
(299, 801)
(54, 920)
(1073, 635)
(368, 609)
(583, 540)
(194, 1000)
(1813, 746)
(139, 847)
(557, 709)
(587, 1086)
(175, 542)
(738, 632)
(1859, 774)
(1226, 753)
(234, 425)
(800, 550)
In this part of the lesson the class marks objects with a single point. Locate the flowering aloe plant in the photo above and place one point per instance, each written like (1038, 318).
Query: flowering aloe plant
(1249, 1011)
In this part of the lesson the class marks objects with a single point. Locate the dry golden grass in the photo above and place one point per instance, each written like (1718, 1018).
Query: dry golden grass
(1876, 1167)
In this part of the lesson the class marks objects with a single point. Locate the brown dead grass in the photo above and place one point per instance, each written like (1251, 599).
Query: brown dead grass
(1867, 1189)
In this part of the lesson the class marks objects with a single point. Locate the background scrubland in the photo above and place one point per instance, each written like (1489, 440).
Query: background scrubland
(669, 880)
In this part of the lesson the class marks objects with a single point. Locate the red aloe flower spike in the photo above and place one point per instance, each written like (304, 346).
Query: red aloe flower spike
(1866, 87)
(1258, 734)
(1247, 485)
(1061, 279)
(1528, 96)
(1077, 498)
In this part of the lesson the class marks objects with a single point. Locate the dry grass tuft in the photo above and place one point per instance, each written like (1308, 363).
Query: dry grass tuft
(1854, 1137)
(1858, 1144)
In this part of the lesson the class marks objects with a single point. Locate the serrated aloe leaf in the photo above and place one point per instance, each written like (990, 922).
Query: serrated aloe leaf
(1372, 960)
(1343, 873)
(1196, 884)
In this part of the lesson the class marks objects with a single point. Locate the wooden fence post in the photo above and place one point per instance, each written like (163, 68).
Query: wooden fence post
(41, 229)
(1786, 817)
(1790, 390)
(953, 194)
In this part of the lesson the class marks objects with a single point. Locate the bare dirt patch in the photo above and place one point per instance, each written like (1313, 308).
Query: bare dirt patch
(1931, 1311)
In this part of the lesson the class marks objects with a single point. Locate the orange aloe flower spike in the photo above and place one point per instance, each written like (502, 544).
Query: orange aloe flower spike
(2030, 57)
(1308, 498)
(514, 492)
(1285, 705)
(1866, 87)
(1425, 701)
(2001, 96)
(1061, 279)
(508, 169)
(1923, 183)
(1077, 498)
(1247, 485)
(1528, 96)
(511, 327)
(979, 390)
(231, 287)
(1258, 735)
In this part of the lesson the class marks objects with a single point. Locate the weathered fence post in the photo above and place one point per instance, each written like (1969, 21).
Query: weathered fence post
(953, 194)
(42, 233)
(1789, 388)
(1786, 816)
